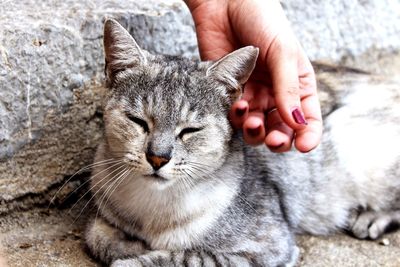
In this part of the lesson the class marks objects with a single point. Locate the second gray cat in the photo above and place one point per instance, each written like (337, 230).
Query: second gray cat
(176, 186)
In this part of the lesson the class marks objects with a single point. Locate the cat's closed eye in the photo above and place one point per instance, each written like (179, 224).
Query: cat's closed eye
(188, 130)
(142, 123)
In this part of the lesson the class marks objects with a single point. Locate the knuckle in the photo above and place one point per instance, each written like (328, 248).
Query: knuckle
(285, 45)
(291, 91)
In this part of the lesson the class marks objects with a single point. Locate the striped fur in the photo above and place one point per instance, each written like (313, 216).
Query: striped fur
(217, 201)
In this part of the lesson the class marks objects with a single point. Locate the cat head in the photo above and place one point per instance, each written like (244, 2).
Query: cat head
(165, 116)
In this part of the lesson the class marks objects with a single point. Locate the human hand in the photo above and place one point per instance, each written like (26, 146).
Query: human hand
(280, 102)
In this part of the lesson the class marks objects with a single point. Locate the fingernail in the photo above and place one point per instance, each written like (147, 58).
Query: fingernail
(254, 131)
(240, 111)
(276, 147)
(298, 116)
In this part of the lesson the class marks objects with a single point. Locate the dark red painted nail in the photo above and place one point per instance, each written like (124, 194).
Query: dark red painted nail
(254, 131)
(240, 111)
(298, 116)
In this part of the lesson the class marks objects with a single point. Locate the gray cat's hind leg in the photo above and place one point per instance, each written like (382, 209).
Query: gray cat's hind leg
(373, 224)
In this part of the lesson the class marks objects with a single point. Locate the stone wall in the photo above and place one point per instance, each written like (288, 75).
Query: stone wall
(357, 33)
(51, 72)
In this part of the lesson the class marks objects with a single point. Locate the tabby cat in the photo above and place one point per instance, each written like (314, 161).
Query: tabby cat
(175, 185)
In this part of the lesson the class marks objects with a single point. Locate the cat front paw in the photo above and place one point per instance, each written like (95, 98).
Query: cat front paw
(294, 257)
(126, 263)
(108, 243)
(157, 258)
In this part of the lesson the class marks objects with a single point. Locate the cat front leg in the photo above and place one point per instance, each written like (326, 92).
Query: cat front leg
(162, 258)
(108, 243)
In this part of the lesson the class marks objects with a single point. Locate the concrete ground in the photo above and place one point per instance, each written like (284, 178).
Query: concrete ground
(52, 237)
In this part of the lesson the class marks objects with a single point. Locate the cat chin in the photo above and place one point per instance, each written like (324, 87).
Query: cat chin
(156, 181)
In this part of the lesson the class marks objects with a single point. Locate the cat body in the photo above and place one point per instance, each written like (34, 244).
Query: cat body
(175, 185)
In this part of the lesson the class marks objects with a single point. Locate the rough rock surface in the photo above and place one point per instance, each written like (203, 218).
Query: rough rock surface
(51, 69)
(354, 32)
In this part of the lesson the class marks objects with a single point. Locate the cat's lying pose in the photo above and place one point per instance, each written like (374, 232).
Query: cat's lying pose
(176, 186)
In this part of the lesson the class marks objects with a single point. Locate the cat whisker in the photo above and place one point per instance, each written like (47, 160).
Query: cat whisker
(95, 164)
(97, 174)
(187, 183)
(91, 198)
(201, 166)
(128, 173)
(117, 169)
(121, 151)
(112, 188)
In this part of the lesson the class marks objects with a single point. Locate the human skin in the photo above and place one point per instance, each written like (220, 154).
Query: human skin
(283, 81)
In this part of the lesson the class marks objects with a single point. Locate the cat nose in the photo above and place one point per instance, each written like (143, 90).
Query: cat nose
(157, 161)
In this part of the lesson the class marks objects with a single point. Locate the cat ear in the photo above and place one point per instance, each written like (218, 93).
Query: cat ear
(235, 67)
(120, 49)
